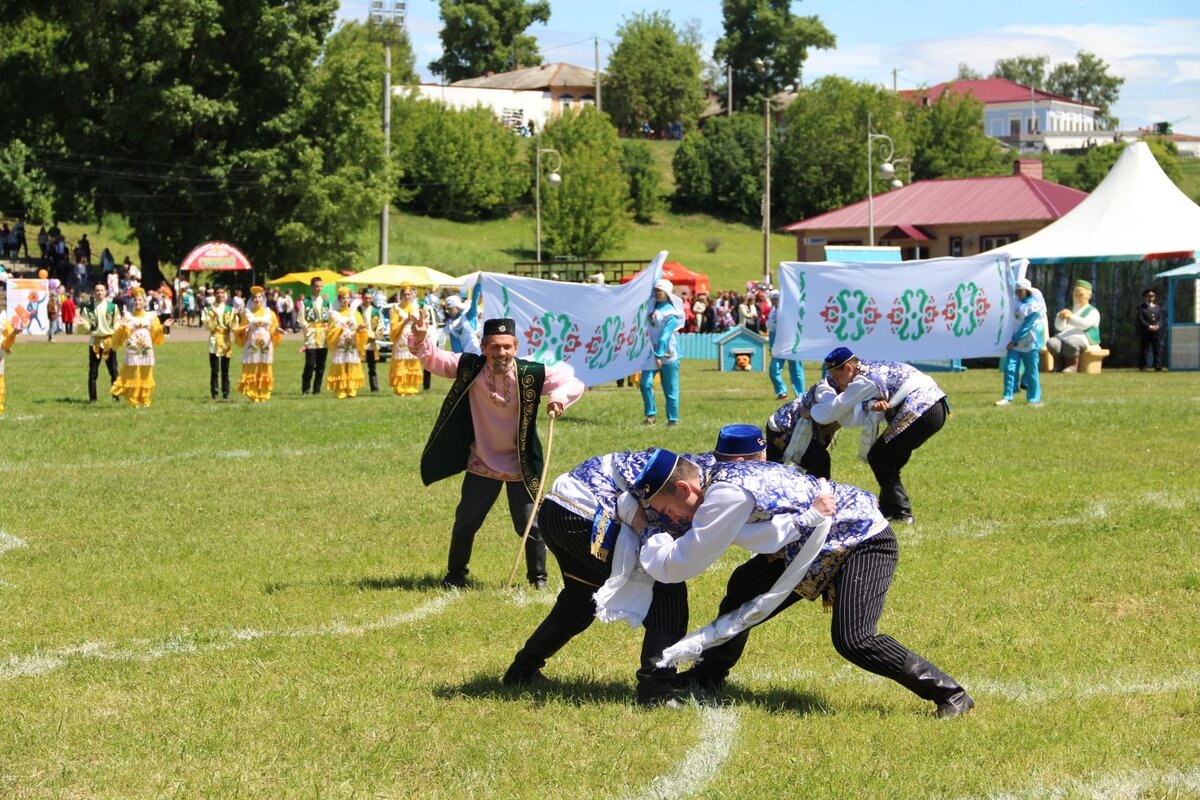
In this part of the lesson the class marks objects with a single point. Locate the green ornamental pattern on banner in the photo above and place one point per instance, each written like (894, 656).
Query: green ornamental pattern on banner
(800, 311)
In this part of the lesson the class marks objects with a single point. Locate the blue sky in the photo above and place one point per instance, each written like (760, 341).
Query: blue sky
(1154, 44)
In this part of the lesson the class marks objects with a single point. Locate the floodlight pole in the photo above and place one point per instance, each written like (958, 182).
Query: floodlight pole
(537, 193)
(385, 23)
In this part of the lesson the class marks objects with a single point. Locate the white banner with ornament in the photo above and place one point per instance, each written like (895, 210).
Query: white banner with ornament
(599, 331)
(941, 308)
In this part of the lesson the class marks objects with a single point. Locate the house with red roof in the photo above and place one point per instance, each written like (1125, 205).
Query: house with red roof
(1025, 117)
(943, 217)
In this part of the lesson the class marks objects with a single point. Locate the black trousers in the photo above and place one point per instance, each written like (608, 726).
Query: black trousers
(372, 379)
(888, 458)
(110, 362)
(815, 461)
(314, 369)
(1152, 350)
(568, 536)
(218, 365)
(860, 588)
(426, 379)
(478, 496)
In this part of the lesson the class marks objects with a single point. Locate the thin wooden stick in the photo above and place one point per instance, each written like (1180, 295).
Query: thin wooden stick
(537, 501)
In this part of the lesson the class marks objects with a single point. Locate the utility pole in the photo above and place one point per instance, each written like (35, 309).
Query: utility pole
(386, 24)
(729, 90)
(895, 72)
(596, 39)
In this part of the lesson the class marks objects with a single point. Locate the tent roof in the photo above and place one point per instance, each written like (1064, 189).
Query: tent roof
(1135, 213)
(400, 274)
(326, 275)
(1186, 271)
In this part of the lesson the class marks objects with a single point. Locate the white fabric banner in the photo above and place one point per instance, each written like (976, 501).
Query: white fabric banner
(942, 308)
(598, 331)
(27, 298)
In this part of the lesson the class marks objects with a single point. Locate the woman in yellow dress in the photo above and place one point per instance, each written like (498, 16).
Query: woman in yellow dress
(139, 332)
(347, 339)
(257, 332)
(405, 372)
(8, 335)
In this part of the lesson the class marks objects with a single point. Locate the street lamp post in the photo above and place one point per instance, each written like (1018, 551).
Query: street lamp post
(887, 171)
(385, 23)
(761, 66)
(555, 179)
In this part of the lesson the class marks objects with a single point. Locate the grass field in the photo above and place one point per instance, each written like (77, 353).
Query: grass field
(222, 600)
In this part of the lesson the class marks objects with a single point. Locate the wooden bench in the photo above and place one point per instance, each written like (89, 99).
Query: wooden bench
(1090, 361)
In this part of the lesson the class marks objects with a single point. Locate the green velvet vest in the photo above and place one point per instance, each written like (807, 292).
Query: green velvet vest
(449, 444)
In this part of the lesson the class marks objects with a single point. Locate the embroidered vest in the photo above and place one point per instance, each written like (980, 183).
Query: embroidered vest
(1093, 333)
(781, 490)
(889, 376)
(449, 444)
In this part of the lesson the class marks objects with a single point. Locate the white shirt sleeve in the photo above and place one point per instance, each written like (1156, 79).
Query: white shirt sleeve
(717, 523)
(841, 407)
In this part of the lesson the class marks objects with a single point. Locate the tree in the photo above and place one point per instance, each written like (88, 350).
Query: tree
(1098, 162)
(721, 170)
(949, 142)
(460, 164)
(1025, 70)
(645, 180)
(653, 75)
(488, 35)
(25, 191)
(767, 30)
(587, 215)
(1087, 81)
(965, 73)
(821, 164)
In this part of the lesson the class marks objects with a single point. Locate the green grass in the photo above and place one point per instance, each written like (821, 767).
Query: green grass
(222, 600)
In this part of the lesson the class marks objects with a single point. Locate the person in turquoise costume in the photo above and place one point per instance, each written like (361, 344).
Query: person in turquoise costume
(1025, 345)
(583, 530)
(795, 368)
(773, 511)
(666, 317)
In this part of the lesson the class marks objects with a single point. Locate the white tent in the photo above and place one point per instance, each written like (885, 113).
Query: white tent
(1135, 213)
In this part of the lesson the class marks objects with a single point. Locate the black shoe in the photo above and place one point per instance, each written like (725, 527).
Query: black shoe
(901, 519)
(515, 676)
(538, 584)
(660, 701)
(695, 680)
(452, 581)
(955, 705)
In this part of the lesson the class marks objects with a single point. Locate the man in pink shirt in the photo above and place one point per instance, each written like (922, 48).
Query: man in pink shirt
(492, 436)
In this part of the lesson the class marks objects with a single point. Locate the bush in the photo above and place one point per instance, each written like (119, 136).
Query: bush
(711, 244)
(645, 182)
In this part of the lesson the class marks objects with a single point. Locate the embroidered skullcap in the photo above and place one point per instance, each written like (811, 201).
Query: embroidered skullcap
(665, 285)
(1025, 283)
(740, 440)
(655, 474)
(837, 357)
(499, 325)
(454, 301)
(1082, 284)
(343, 291)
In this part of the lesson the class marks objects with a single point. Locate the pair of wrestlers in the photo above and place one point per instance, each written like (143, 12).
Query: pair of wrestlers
(628, 529)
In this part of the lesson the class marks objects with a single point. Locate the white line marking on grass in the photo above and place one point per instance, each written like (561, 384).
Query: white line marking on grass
(41, 663)
(718, 732)
(234, 454)
(10, 542)
(1118, 786)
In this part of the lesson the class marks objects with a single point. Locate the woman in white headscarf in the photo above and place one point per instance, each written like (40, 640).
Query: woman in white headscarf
(666, 317)
(1025, 345)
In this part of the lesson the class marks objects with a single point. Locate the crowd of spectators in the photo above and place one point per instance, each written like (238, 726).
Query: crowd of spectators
(705, 314)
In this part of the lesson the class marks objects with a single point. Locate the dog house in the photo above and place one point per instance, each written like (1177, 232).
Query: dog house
(741, 349)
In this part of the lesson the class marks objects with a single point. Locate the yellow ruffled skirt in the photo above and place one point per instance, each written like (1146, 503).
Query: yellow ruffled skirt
(405, 376)
(136, 385)
(257, 382)
(345, 379)
(1, 394)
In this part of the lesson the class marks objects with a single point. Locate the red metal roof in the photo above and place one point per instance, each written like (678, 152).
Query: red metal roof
(907, 232)
(990, 90)
(948, 201)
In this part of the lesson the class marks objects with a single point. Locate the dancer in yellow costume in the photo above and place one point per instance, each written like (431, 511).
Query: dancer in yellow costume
(347, 337)
(8, 335)
(139, 332)
(257, 332)
(405, 373)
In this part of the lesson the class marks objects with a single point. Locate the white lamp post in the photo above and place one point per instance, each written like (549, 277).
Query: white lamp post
(887, 171)
(385, 23)
(555, 179)
(761, 66)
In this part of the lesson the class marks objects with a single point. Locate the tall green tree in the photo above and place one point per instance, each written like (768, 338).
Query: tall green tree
(1025, 70)
(653, 75)
(721, 170)
(645, 180)
(821, 164)
(1088, 81)
(949, 142)
(1098, 162)
(25, 192)
(488, 35)
(588, 214)
(460, 164)
(768, 30)
(966, 73)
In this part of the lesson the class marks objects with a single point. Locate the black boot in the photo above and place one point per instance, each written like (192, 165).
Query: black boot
(709, 674)
(656, 685)
(571, 615)
(535, 562)
(930, 683)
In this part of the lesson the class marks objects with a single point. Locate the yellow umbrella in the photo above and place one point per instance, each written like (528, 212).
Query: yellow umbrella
(326, 276)
(397, 274)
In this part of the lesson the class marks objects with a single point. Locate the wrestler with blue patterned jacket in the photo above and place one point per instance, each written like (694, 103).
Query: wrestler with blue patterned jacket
(773, 511)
